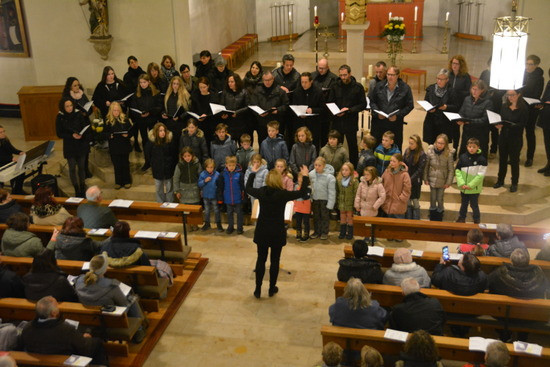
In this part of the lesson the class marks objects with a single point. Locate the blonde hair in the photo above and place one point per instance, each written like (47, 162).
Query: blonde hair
(257, 157)
(351, 170)
(370, 357)
(445, 138)
(209, 162)
(230, 159)
(110, 118)
(321, 160)
(91, 277)
(306, 131)
(357, 295)
(184, 98)
(274, 179)
(332, 354)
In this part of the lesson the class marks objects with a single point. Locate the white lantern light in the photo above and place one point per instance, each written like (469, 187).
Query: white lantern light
(509, 51)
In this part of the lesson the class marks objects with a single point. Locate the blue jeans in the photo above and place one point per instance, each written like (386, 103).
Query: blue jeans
(471, 199)
(211, 204)
(235, 208)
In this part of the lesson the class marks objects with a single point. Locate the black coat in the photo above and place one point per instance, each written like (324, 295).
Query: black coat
(267, 98)
(352, 96)
(368, 270)
(200, 104)
(108, 92)
(38, 285)
(418, 312)
(238, 102)
(324, 82)
(544, 117)
(161, 158)
(454, 280)
(434, 122)
(218, 80)
(124, 247)
(7, 150)
(252, 82)
(521, 282)
(131, 78)
(6, 210)
(146, 103)
(162, 85)
(461, 85)
(203, 70)
(533, 83)
(197, 142)
(118, 144)
(290, 81)
(401, 100)
(476, 111)
(270, 228)
(513, 133)
(314, 99)
(68, 124)
(495, 95)
(10, 284)
(504, 248)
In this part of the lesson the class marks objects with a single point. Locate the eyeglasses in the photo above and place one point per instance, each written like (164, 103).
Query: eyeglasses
(455, 63)
(442, 78)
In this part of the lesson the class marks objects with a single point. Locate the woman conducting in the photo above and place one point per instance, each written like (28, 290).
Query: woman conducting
(270, 228)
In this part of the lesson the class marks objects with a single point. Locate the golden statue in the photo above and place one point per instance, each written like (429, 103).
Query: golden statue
(356, 11)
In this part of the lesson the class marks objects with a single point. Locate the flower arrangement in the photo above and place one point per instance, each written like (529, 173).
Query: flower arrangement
(395, 28)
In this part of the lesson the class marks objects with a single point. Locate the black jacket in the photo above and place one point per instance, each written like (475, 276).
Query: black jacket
(513, 132)
(125, 248)
(454, 280)
(352, 96)
(236, 101)
(7, 150)
(118, 144)
(437, 121)
(252, 82)
(218, 80)
(203, 70)
(366, 158)
(270, 228)
(266, 98)
(108, 92)
(416, 171)
(401, 100)
(38, 285)
(418, 312)
(146, 103)
(6, 210)
(68, 124)
(476, 111)
(10, 284)
(324, 82)
(196, 142)
(544, 118)
(290, 81)
(314, 99)
(533, 83)
(131, 78)
(368, 270)
(504, 248)
(461, 85)
(161, 157)
(521, 282)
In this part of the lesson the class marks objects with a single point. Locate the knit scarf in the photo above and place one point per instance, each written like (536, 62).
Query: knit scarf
(440, 92)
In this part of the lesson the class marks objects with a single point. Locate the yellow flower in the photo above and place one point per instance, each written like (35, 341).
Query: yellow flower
(390, 27)
(386, 26)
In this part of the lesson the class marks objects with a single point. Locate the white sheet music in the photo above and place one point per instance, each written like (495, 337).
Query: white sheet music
(120, 203)
(426, 105)
(300, 110)
(119, 310)
(147, 234)
(73, 199)
(452, 116)
(392, 334)
(376, 251)
(125, 288)
(532, 100)
(494, 118)
(257, 109)
(386, 115)
(417, 253)
(77, 361)
(168, 234)
(193, 114)
(479, 344)
(455, 256)
(88, 105)
(169, 205)
(334, 109)
(86, 266)
(98, 231)
(217, 108)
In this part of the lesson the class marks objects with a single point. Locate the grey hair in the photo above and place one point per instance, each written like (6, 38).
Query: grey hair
(45, 307)
(497, 355)
(93, 193)
(504, 231)
(410, 285)
(444, 72)
(7, 361)
(520, 257)
(357, 295)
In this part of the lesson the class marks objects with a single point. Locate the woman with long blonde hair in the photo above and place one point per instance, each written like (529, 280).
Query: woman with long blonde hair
(177, 101)
(119, 132)
(144, 111)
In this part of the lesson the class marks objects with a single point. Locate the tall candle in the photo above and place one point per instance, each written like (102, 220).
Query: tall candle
(415, 13)
(342, 17)
(389, 16)
(370, 70)
(290, 16)
(315, 10)
(447, 17)
(363, 81)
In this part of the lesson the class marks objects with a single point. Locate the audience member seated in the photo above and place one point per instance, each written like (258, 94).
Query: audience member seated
(8, 206)
(419, 351)
(45, 211)
(71, 243)
(7, 361)
(17, 241)
(123, 250)
(370, 357)
(464, 279)
(544, 253)
(332, 355)
(404, 267)
(474, 243)
(418, 311)
(93, 289)
(360, 266)
(505, 243)
(356, 309)
(48, 333)
(496, 355)
(92, 213)
(519, 279)
(46, 279)
(10, 284)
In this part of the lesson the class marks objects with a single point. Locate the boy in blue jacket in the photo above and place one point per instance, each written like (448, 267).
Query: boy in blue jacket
(207, 183)
(274, 146)
(384, 152)
(230, 191)
(470, 172)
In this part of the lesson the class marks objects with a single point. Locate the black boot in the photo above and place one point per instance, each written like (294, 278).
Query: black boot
(299, 234)
(416, 213)
(349, 235)
(305, 236)
(342, 234)
(433, 214)
(439, 215)
(410, 212)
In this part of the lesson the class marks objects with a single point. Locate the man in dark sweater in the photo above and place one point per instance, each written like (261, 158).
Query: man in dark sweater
(418, 311)
(48, 333)
(92, 214)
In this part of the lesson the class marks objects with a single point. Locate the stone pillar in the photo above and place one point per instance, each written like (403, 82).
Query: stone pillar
(182, 33)
(355, 47)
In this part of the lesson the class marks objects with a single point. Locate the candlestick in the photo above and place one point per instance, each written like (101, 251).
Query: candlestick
(316, 26)
(290, 30)
(370, 71)
(315, 11)
(389, 15)
(342, 17)
(415, 13)
(290, 16)
(447, 17)
(413, 51)
(444, 49)
(342, 34)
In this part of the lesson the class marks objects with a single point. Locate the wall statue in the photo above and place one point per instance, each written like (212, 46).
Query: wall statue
(99, 26)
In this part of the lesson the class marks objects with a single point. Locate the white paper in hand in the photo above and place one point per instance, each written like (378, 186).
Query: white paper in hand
(400, 336)
(257, 109)
(531, 100)
(300, 110)
(376, 251)
(426, 105)
(452, 116)
(334, 109)
(125, 288)
(72, 323)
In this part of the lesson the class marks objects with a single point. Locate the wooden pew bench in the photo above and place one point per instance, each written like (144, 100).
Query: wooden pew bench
(430, 259)
(36, 359)
(449, 348)
(139, 211)
(119, 327)
(512, 312)
(409, 229)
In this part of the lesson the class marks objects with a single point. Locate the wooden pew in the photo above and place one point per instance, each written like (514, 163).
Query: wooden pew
(139, 211)
(409, 229)
(430, 259)
(36, 359)
(119, 327)
(155, 248)
(507, 308)
(449, 348)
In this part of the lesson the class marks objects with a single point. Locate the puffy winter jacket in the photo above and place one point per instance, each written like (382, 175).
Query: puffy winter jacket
(383, 157)
(416, 170)
(74, 247)
(302, 154)
(196, 142)
(323, 186)
(370, 197)
(504, 248)
(518, 281)
(398, 190)
(368, 270)
(335, 156)
(259, 179)
(454, 280)
(398, 272)
(346, 195)
(221, 149)
(470, 170)
(231, 186)
(21, 243)
(186, 181)
(439, 169)
(272, 149)
(161, 157)
(244, 156)
(366, 159)
(208, 188)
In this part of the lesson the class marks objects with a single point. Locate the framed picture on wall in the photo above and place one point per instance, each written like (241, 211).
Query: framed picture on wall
(13, 39)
